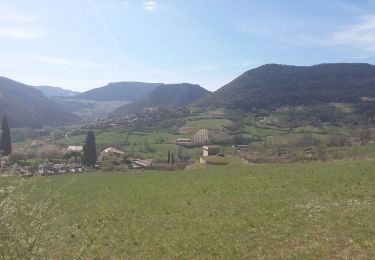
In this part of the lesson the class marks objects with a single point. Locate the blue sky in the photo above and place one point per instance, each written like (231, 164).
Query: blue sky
(82, 44)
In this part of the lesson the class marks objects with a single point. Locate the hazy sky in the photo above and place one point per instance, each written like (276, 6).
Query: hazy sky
(82, 44)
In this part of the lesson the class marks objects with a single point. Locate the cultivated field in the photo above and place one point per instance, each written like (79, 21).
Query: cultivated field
(303, 211)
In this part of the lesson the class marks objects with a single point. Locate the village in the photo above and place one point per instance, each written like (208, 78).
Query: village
(47, 160)
(124, 120)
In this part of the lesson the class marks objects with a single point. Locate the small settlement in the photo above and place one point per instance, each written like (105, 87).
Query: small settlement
(46, 158)
(70, 164)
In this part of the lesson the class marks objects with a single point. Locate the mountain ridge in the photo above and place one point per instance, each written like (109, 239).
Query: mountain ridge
(26, 106)
(50, 91)
(274, 85)
(125, 91)
(180, 94)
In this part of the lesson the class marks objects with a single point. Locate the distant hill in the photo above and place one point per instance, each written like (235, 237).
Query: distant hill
(167, 95)
(56, 91)
(272, 86)
(26, 106)
(124, 91)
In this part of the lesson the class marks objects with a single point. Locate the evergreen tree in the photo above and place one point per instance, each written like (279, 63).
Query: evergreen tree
(169, 156)
(5, 141)
(172, 159)
(89, 150)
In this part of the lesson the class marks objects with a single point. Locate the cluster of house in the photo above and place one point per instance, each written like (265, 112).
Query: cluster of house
(124, 120)
(120, 121)
(52, 169)
(134, 163)
(49, 168)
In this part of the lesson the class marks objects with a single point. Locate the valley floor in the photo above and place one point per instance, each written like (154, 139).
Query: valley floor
(304, 211)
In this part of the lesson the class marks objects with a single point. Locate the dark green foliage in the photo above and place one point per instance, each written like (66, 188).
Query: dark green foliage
(314, 115)
(169, 156)
(365, 112)
(182, 155)
(306, 141)
(240, 140)
(172, 159)
(29, 107)
(177, 94)
(5, 140)
(89, 157)
(69, 155)
(272, 86)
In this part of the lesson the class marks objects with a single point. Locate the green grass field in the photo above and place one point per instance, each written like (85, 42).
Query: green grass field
(207, 123)
(301, 211)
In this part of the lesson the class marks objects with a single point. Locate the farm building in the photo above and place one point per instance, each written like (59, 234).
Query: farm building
(138, 164)
(210, 150)
(76, 149)
(240, 147)
(183, 141)
(212, 156)
(113, 150)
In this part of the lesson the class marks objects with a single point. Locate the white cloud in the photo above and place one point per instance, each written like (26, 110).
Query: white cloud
(149, 5)
(72, 63)
(360, 35)
(16, 24)
(19, 32)
(12, 16)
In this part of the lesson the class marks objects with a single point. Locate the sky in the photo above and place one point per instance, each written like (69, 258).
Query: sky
(84, 44)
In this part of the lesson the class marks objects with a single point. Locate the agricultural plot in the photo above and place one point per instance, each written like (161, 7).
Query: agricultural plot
(301, 211)
(208, 123)
(201, 137)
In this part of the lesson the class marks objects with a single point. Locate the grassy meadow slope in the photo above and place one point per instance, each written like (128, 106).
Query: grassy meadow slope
(318, 210)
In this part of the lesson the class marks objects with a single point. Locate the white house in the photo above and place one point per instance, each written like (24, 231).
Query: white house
(75, 149)
(210, 150)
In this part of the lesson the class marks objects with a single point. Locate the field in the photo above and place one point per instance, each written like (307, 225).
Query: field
(208, 123)
(303, 211)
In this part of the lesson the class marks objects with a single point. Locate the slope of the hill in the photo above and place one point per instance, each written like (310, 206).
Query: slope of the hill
(49, 91)
(271, 86)
(126, 91)
(167, 95)
(26, 106)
